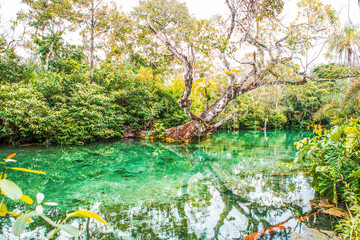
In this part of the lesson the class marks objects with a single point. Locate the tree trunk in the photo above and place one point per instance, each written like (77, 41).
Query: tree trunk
(193, 130)
(206, 99)
(48, 55)
(92, 26)
(188, 131)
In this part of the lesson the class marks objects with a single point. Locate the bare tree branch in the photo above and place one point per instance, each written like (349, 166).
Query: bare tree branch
(227, 118)
(184, 101)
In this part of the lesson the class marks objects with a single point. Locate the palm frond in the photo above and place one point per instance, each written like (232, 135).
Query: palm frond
(352, 93)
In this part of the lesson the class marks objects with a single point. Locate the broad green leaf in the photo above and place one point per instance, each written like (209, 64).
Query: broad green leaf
(355, 174)
(11, 156)
(51, 233)
(20, 224)
(73, 231)
(10, 189)
(27, 170)
(336, 133)
(51, 222)
(26, 199)
(86, 213)
(3, 210)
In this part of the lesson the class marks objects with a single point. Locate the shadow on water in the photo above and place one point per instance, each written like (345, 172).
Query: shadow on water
(226, 187)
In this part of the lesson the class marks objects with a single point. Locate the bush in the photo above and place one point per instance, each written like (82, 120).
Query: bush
(80, 115)
(12, 71)
(335, 169)
(87, 114)
(24, 114)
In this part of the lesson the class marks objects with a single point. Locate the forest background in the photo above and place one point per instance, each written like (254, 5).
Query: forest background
(121, 76)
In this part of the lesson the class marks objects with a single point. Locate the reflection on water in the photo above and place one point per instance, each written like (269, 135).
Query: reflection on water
(226, 187)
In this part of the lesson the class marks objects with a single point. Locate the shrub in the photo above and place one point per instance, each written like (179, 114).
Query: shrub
(335, 169)
(24, 114)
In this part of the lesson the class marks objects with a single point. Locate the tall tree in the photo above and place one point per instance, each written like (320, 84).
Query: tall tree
(48, 20)
(92, 18)
(346, 44)
(254, 26)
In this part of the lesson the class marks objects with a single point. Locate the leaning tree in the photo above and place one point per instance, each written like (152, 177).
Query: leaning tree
(271, 48)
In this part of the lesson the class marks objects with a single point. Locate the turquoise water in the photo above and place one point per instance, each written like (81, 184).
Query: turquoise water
(227, 187)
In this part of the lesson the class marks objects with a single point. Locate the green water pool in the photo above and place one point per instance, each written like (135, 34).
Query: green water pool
(226, 187)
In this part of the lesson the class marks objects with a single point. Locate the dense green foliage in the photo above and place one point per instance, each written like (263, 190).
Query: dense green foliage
(59, 108)
(336, 169)
(47, 98)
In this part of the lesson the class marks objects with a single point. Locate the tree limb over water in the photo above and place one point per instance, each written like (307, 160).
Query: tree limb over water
(275, 49)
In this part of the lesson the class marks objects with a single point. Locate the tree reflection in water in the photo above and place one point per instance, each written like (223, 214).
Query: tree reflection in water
(215, 203)
(227, 187)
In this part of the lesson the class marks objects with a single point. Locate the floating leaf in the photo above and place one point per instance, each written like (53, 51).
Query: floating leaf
(40, 197)
(11, 156)
(85, 213)
(26, 199)
(27, 170)
(10, 189)
(73, 231)
(3, 210)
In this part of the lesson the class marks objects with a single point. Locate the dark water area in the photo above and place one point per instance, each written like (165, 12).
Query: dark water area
(226, 187)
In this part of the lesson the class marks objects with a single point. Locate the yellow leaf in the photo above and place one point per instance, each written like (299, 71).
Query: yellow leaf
(14, 214)
(3, 210)
(86, 213)
(27, 170)
(228, 72)
(11, 156)
(213, 87)
(26, 199)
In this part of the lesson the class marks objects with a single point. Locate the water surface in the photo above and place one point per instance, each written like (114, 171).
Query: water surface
(227, 187)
